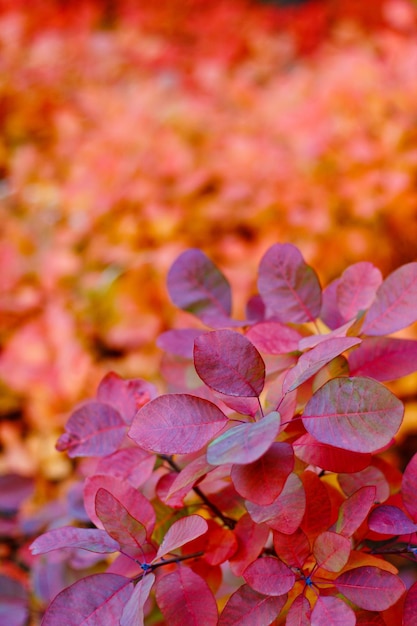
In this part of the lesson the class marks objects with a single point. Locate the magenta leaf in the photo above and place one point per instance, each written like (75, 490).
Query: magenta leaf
(179, 341)
(126, 396)
(95, 429)
(244, 443)
(410, 606)
(251, 540)
(92, 539)
(332, 612)
(196, 285)
(273, 337)
(269, 576)
(96, 600)
(408, 488)
(176, 424)
(331, 551)
(394, 307)
(357, 414)
(117, 520)
(190, 474)
(370, 588)
(132, 464)
(239, 404)
(329, 312)
(229, 363)
(14, 489)
(354, 510)
(329, 457)
(369, 477)
(390, 520)
(293, 549)
(299, 613)
(311, 362)
(182, 531)
(263, 480)
(14, 608)
(133, 612)
(356, 288)
(247, 607)
(185, 598)
(384, 358)
(289, 287)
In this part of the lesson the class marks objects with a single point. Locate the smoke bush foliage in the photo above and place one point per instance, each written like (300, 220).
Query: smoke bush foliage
(257, 491)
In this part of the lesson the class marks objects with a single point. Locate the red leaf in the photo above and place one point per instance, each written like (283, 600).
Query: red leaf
(370, 588)
(263, 480)
(247, 607)
(329, 457)
(390, 520)
(395, 303)
(182, 531)
(269, 576)
(357, 288)
(354, 510)
(408, 488)
(286, 512)
(126, 396)
(289, 287)
(95, 429)
(332, 612)
(355, 414)
(179, 341)
(229, 363)
(176, 424)
(117, 520)
(317, 516)
(293, 549)
(311, 362)
(185, 598)
(196, 285)
(331, 551)
(219, 544)
(410, 606)
(299, 613)
(133, 611)
(369, 477)
(384, 358)
(251, 540)
(97, 599)
(274, 337)
(368, 618)
(92, 539)
(244, 443)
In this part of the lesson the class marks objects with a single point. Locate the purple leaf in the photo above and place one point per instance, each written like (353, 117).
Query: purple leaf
(95, 429)
(311, 362)
(274, 338)
(96, 600)
(182, 531)
(370, 588)
(117, 520)
(196, 285)
(13, 490)
(244, 443)
(92, 539)
(329, 312)
(390, 520)
(229, 363)
(384, 358)
(357, 288)
(126, 396)
(14, 609)
(269, 576)
(289, 287)
(395, 303)
(179, 341)
(176, 424)
(357, 414)
(247, 607)
(133, 612)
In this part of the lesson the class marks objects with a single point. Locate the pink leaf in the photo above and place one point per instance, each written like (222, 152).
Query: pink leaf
(384, 358)
(196, 285)
(369, 477)
(370, 588)
(126, 396)
(247, 607)
(289, 287)
(269, 576)
(329, 457)
(92, 539)
(331, 551)
(117, 520)
(132, 464)
(357, 288)
(182, 531)
(354, 510)
(228, 362)
(176, 424)
(244, 443)
(408, 488)
(95, 429)
(311, 362)
(332, 612)
(390, 520)
(410, 606)
(355, 414)
(96, 600)
(185, 598)
(299, 613)
(243, 405)
(14, 609)
(273, 337)
(133, 612)
(395, 303)
(190, 474)
(14, 489)
(251, 540)
(263, 480)
(293, 549)
(179, 341)
(329, 312)
(286, 512)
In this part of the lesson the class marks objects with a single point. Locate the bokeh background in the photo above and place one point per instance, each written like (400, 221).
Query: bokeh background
(132, 130)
